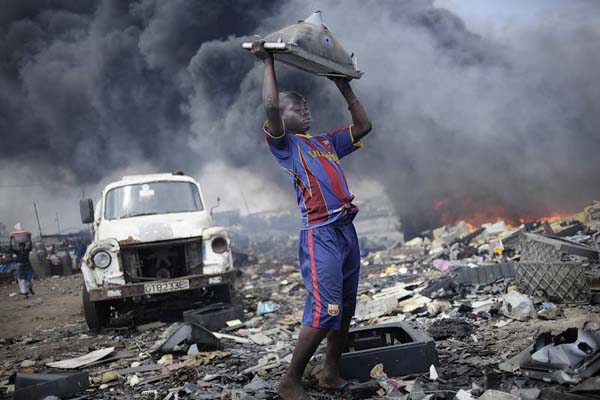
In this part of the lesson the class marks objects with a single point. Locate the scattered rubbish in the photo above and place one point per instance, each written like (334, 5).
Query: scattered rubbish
(266, 308)
(310, 46)
(518, 306)
(381, 377)
(166, 359)
(526, 394)
(81, 361)
(561, 282)
(213, 317)
(401, 348)
(454, 282)
(568, 357)
(109, 376)
(548, 311)
(203, 358)
(133, 380)
(231, 337)
(415, 304)
(433, 374)
(441, 265)
(364, 390)
(27, 363)
(483, 274)
(538, 248)
(463, 395)
(152, 394)
(38, 386)
(150, 326)
(567, 350)
(179, 335)
(261, 339)
(265, 363)
(497, 395)
(450, 328)
(193, 350)
(139, 369)
(256, 384)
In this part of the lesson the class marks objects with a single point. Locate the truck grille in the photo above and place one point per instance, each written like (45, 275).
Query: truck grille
(162, 260)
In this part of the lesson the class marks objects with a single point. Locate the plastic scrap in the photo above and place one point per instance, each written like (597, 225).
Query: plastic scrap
(518, 306)
(77, 362)
(266, 307)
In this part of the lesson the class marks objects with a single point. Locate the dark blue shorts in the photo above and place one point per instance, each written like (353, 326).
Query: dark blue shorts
(330, 265)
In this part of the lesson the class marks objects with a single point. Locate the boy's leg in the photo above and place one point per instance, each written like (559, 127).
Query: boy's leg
(322, 274)
(290, 386)
(330, 377)
(336, 340)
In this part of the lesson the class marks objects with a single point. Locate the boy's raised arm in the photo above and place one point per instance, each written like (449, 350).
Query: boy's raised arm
(270, 92)
(361, 125)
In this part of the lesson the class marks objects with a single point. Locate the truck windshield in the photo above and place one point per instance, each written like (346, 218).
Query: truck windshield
(152, 198)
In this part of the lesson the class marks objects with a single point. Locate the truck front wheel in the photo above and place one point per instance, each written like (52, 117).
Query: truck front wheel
(97, 313)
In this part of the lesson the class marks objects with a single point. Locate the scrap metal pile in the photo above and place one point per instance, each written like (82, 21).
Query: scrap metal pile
(490, 313)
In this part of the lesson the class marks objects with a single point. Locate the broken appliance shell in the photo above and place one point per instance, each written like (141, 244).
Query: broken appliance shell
(310, 46)
(401, 348)
(214, 317)
(39, 386)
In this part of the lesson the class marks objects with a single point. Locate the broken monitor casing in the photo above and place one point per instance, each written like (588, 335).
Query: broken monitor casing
(400, 347)
(310, 46)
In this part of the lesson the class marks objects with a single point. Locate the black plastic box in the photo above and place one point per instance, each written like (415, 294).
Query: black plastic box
(402, 350)
(39, 386)
(213, 317)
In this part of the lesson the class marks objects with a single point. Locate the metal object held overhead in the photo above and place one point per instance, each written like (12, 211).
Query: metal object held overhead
(310, 46)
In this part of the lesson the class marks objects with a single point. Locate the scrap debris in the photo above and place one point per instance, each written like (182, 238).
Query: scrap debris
(493, 312)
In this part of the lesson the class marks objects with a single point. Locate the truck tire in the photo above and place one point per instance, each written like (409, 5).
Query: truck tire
(97, 313)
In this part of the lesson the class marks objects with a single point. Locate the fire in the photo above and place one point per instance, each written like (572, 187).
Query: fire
(451, 212)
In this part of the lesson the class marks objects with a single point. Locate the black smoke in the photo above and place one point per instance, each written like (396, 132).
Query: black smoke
(89, 87)
(503, 120)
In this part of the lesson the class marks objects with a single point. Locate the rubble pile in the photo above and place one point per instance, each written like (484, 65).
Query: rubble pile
(488, 313)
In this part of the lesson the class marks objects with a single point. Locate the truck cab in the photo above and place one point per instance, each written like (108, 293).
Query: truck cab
(153, 241)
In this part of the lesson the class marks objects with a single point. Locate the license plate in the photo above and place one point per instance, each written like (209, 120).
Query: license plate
(165, 287)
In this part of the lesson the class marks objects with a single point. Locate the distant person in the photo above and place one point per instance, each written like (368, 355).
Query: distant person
(329, 251)
(21, 249)
(80, 252)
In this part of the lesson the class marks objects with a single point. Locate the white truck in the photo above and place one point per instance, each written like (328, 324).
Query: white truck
(153, 242)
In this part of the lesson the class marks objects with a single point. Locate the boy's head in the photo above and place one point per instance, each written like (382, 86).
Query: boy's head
(294, 112)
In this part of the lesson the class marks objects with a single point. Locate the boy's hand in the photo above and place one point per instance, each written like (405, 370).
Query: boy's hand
(258, 49)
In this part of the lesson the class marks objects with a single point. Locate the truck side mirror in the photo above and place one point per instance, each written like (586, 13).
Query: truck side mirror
(86, 209)
(215, 206)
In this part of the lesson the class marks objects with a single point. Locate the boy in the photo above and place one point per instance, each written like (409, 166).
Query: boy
(329, 253)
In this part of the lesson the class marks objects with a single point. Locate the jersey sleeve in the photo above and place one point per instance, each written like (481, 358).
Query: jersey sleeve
(279, 145)
(343, 141)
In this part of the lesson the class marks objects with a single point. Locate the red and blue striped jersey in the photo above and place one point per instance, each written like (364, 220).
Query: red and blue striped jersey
(313, 165)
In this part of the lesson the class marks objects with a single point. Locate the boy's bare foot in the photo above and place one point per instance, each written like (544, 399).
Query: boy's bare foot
(289, 389)
(331, 380)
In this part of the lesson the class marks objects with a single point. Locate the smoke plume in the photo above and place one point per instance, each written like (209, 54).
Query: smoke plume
(469, 120)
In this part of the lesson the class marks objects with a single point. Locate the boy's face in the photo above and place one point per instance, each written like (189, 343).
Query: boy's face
(296, 114)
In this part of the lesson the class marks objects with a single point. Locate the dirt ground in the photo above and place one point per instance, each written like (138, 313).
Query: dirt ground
(57, 301)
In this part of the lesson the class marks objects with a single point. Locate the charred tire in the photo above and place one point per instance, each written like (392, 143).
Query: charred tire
(97, 313)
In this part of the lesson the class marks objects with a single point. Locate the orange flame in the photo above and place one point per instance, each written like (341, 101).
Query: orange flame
(475, 217)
